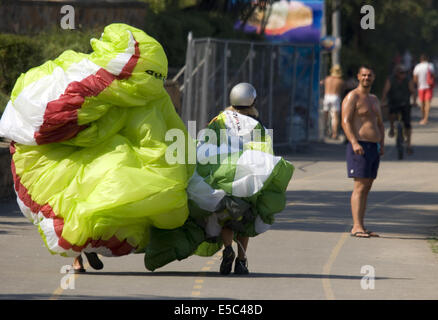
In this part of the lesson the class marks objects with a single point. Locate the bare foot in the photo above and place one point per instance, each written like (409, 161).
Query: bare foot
(423, 122)
(78, 265)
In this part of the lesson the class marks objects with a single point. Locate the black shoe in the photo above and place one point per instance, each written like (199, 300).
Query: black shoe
(227, 260)
(241, 266)
(94, 260)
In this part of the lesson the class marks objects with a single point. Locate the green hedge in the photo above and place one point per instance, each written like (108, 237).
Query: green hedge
(20, 53)
(17, 54)
(3, 101)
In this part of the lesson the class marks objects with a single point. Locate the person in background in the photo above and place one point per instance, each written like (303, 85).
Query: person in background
(398, 90)
(333, 88)
(425, 80)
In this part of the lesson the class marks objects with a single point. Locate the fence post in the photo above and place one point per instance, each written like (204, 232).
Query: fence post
(251, 59)
(225, 88)
(204, 97)
(187, 101)
(292, 105)
(312, 71)
(271, 87)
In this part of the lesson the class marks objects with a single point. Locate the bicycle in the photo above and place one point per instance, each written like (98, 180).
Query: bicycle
(399, 137)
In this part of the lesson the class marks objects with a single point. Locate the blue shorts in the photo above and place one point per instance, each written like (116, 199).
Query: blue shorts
(363, 166)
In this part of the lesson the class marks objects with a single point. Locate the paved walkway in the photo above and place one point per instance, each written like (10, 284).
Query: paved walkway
(308, 253)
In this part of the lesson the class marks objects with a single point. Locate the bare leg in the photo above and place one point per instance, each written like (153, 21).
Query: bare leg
(335, 124)
(359, 196)
(392, 117)
(227, 236)
(326, 113)
(426, 112)
(423, 104)
(408, 140)
(241, 252)
(78, 265)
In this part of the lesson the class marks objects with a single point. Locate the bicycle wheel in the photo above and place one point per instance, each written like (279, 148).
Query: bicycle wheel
(399, 141)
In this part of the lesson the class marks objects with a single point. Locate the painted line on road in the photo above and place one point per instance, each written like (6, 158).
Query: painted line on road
(327, 267)
(199, 282)
(335, 252)
(58, 291)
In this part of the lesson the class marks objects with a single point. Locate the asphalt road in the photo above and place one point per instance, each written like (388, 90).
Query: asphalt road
(307, 254)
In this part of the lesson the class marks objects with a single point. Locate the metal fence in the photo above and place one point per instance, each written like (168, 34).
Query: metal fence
(283, 75)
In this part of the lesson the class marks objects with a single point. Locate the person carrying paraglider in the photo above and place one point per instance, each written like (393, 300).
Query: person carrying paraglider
(242, 99)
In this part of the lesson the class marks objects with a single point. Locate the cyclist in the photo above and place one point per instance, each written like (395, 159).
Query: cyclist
(398, 89)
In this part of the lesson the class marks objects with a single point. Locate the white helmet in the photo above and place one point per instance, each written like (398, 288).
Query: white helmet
(243, 95)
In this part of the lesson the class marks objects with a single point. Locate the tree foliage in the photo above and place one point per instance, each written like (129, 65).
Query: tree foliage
(399, 25)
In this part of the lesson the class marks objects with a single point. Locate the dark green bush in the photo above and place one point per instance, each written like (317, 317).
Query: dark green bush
(17, 55)
(20, 53)
(3, 102)
(56, 41)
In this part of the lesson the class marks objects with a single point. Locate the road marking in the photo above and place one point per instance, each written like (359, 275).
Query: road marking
(334, 254)
(327, 267)
(58, 291)
(199, 282)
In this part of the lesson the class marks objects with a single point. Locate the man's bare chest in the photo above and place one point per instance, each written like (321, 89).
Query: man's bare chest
(366, 108)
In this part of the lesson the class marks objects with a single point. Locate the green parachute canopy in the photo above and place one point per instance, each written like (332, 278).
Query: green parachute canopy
(238, 183)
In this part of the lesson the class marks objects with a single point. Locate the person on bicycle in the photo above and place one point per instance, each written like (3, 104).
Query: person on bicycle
(398, 90)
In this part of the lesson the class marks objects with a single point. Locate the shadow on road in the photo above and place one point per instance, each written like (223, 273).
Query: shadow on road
(39, 296)
(388, 212)
(9, 208)
(213, 274)
(319, 151)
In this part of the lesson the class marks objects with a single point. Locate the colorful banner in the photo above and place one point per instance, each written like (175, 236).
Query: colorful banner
(289, 21)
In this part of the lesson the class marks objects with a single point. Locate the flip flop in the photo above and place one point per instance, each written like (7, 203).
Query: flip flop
(372, 234)
(357, 234)
(94, 260)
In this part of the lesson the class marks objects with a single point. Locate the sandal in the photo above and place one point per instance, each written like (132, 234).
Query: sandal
(361, 234)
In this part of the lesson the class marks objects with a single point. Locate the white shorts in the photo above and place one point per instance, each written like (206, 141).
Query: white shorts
(331, 102)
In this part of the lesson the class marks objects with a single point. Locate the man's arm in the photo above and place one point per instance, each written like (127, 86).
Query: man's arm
(322, 82)
(348, 110)
(380, 126)
(415, 75)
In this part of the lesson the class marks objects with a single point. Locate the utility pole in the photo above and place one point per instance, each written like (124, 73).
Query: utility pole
(336, 31)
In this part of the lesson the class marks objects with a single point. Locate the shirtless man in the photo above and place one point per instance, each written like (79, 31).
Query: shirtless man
(363, 127)
(333, 87)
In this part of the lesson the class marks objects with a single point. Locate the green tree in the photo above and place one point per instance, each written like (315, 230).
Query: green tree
(399, 25)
